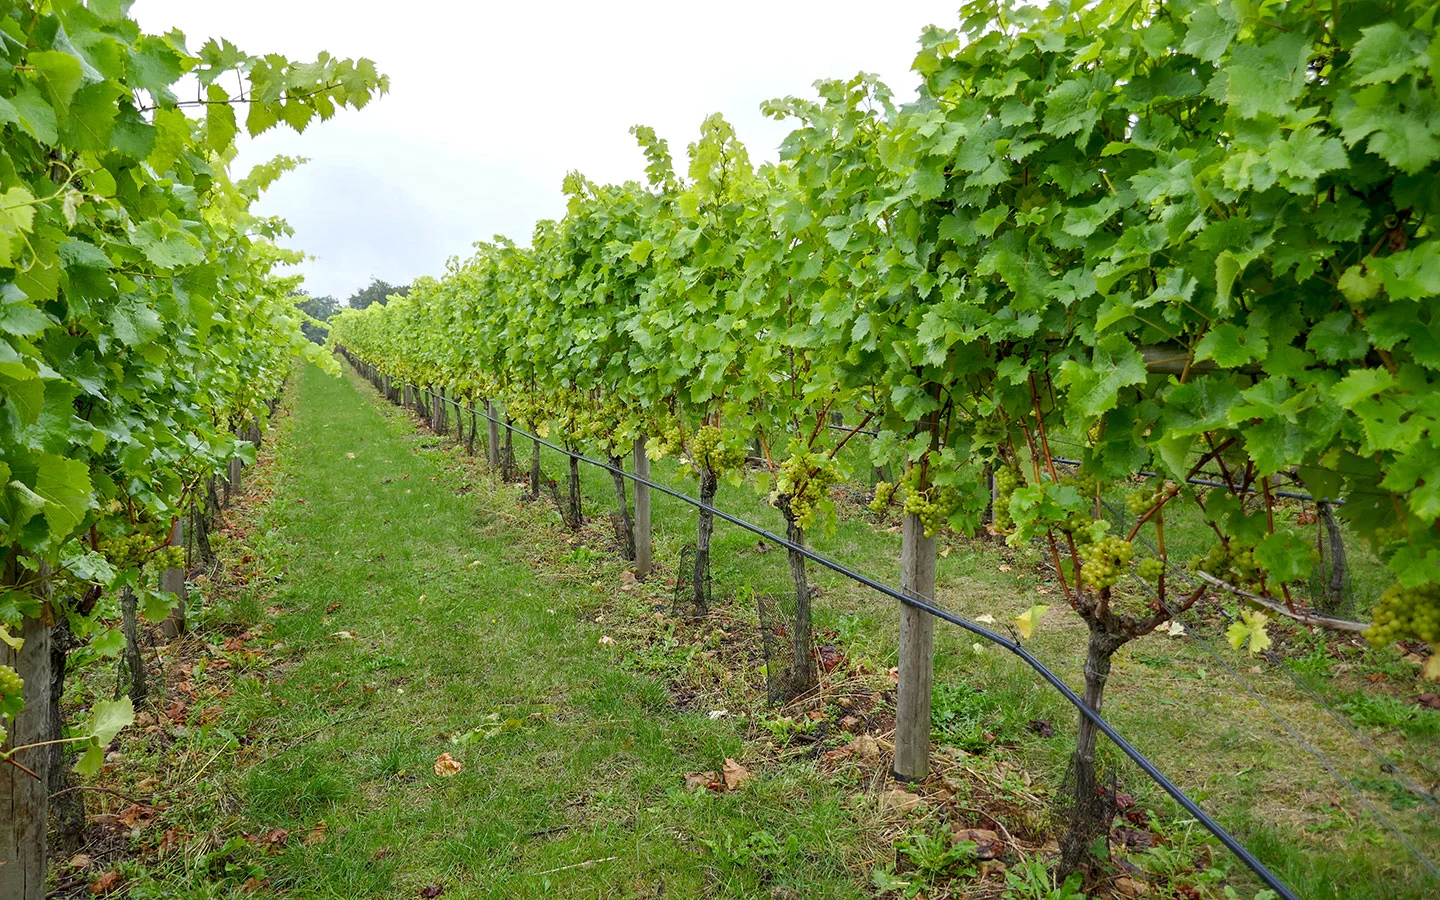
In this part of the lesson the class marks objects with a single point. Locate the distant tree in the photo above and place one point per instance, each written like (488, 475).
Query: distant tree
(321, 308)
(376, 292)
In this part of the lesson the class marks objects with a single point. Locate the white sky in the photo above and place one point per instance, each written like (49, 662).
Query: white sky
(492, 103)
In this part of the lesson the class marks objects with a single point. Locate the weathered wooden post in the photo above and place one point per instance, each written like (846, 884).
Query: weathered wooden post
(172, 581)
(917, 654)
(493, 446)
(24, 796)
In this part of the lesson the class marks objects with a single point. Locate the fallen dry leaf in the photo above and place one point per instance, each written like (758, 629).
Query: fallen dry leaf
(135, 814)
(81, 861)
(316, 834)
(447, 766)
(899, 800)
(709, 780)
(606, 640)
(987, 843)
(866, 747)
(433, 890)
(343, 635)
(1126, 886)
(735, 775)
(106, 883)
(349, 456)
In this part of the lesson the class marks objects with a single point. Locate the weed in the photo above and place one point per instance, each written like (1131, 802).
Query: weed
(925, 860)
(756, 847)
(973, 719)
(1031, 879)
(1380, 711)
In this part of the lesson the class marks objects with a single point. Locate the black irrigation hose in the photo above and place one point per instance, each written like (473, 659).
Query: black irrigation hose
(1234, 846)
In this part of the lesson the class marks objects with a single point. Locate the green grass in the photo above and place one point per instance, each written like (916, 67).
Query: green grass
(1220, 723)
(572, 784)
(474, 617)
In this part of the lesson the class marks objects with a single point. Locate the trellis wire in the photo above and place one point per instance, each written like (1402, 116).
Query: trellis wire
(927, 605)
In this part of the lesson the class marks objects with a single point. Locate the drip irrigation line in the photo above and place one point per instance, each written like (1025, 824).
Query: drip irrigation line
(927, 606)
(1296, 737)
(1386, 765)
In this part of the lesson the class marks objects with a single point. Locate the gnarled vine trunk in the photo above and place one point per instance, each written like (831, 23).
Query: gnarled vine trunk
(804, 675)
(574, 507)
(1332, 593)
(67, 807)
(1089, 816)
(700, 578)
(507, 461)
(535, 470)
(625, 525)
(132, 663)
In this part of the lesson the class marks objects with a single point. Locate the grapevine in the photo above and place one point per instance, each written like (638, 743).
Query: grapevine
(1150, 569)
(804, 480)
(1233, 562)
(1007, 479)
(884, 493)
(709, 449)
(1142, 501)
(1103, 562)
(934, 506)
(1406, 612)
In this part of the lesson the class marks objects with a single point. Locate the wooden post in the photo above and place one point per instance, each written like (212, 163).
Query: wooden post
(23, 797)
(642, 511)
(493, 446)
(172, 581)
(917, 654)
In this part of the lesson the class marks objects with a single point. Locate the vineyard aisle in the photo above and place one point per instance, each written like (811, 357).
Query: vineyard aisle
(409, 613)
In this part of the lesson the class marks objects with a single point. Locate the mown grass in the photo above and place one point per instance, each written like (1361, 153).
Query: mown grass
(572, 778)
(473, 616)
(1312, 784)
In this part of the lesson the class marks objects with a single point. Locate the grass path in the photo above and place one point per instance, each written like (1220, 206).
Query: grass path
(572, 782)
(395, 597)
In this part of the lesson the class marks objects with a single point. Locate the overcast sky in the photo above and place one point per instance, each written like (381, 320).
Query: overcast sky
(492, 103)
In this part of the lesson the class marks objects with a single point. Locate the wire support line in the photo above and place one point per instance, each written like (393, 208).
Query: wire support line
(1195, 480)
(1298, 739)
(1386, 765)
(927, 605)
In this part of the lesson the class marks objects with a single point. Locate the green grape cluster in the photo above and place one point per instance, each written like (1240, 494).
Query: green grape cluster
(1078, 526)
(934, 507)
(1235, 564)
(1104, 561)
(1150, 568)
(666, 442)
(711, 451)
(11, 684)
(803, 482)
(884, 493)
(1007, 480)
(1406, 612)
(168, 558)
(128, 551)
(1142, 501)
(1084, 482)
